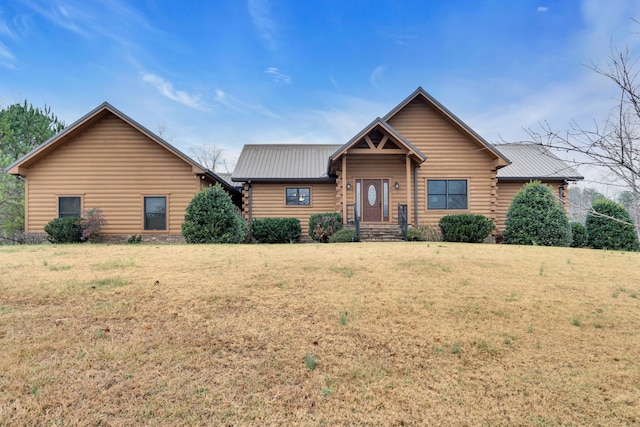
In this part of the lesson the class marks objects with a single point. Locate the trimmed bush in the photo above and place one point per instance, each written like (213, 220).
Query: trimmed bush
(609, 226)
(323, 225)
(344, 235)
(212, 217)
(467, 228)
(276, 230)
(64, 230)
(536, 217)
(579, 234)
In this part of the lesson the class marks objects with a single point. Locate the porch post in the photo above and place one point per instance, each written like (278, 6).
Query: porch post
(343, 184)
(409, 186)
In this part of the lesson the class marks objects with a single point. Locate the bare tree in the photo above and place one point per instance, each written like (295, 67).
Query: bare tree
(613, 146)
(209, 156)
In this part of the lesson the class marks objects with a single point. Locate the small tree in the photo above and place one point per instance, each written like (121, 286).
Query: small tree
(536, 217)
(609, 226)
(323, 225)
(92, 223)
(212, 217)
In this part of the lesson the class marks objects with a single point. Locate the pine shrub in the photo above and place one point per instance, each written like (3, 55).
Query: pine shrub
(536, 217)
(323, 225)
(467, 228)
(579, 234)
(212, 217)
(276, 230)
(64, 230)
(610, 226)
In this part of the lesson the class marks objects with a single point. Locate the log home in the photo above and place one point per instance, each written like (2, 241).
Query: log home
(108, 161)
(411, 167)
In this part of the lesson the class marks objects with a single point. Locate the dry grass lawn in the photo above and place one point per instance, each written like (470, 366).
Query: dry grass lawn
(310, 334)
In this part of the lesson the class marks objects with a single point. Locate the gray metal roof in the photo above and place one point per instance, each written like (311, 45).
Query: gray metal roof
(532, 161)
(271, 162)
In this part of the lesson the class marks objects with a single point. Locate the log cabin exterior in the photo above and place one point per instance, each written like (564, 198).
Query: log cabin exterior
(106, 160)
(416, 164)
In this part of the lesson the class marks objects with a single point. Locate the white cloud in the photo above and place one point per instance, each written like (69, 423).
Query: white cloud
(278, 77)
(542, 9)
(166, 88)
(261, 16)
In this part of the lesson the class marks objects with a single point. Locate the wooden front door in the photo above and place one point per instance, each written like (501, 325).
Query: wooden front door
(372, 200)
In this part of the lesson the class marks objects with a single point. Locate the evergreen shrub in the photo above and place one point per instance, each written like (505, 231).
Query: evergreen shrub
(536, 217)
(64, 230)
(344, 235)
(579, 234)
(276, 230)
(467, 228)
(610, 227)
(211, 217)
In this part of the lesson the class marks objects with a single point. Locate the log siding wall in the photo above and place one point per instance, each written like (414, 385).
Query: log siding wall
(450, 155)
(112, 166)
(269, 201)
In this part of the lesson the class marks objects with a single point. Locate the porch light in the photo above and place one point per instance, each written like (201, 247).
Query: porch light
(396, 185)
(348, 186)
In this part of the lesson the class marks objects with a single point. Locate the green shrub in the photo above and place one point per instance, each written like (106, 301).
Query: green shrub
(609, 226)
(135, 239)
(64, 230)
(276, 230)
(468, 228)
(323, 225)
(579, 234)
(344, 235)
(212, 217)
(415, 235)
(536, 217)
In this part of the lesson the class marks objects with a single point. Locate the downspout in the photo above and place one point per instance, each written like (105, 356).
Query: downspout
(250, 207)
(415, 195)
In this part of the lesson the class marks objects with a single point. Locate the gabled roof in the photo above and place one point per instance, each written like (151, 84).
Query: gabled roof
(20, 166)
(532, 161)
(379, 123)
(451, 118)
(282, 162)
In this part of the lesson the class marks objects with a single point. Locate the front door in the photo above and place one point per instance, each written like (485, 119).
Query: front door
(371, 200)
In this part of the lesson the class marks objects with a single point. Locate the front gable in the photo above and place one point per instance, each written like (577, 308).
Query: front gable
(436, 131)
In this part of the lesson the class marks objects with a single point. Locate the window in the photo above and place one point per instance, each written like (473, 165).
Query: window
(298, 196)
(155, 213)
(69, 206)
(447, 194)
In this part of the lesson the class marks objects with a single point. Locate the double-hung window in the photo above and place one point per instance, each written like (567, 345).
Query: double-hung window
(298, 196)
(69, 206)
(447, 194)
(155, 213)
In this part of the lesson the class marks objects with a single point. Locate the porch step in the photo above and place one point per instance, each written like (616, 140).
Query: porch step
(379, 232)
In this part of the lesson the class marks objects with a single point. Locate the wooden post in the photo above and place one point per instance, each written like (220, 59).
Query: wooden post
(409, 200)
(344, 188)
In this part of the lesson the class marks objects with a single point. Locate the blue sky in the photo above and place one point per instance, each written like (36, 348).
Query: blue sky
(232, 72)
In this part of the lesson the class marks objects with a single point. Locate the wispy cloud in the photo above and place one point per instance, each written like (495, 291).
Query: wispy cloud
(376, 76)
(542, 9)
(229, 101)
(262, 18)
(166, 89)
(277, 76)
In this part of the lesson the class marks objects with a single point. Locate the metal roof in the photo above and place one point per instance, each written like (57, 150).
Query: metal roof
(532, 161)
(281, 162)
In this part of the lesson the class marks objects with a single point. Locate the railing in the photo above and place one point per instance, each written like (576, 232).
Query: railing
(355, 219)
(403, 220)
